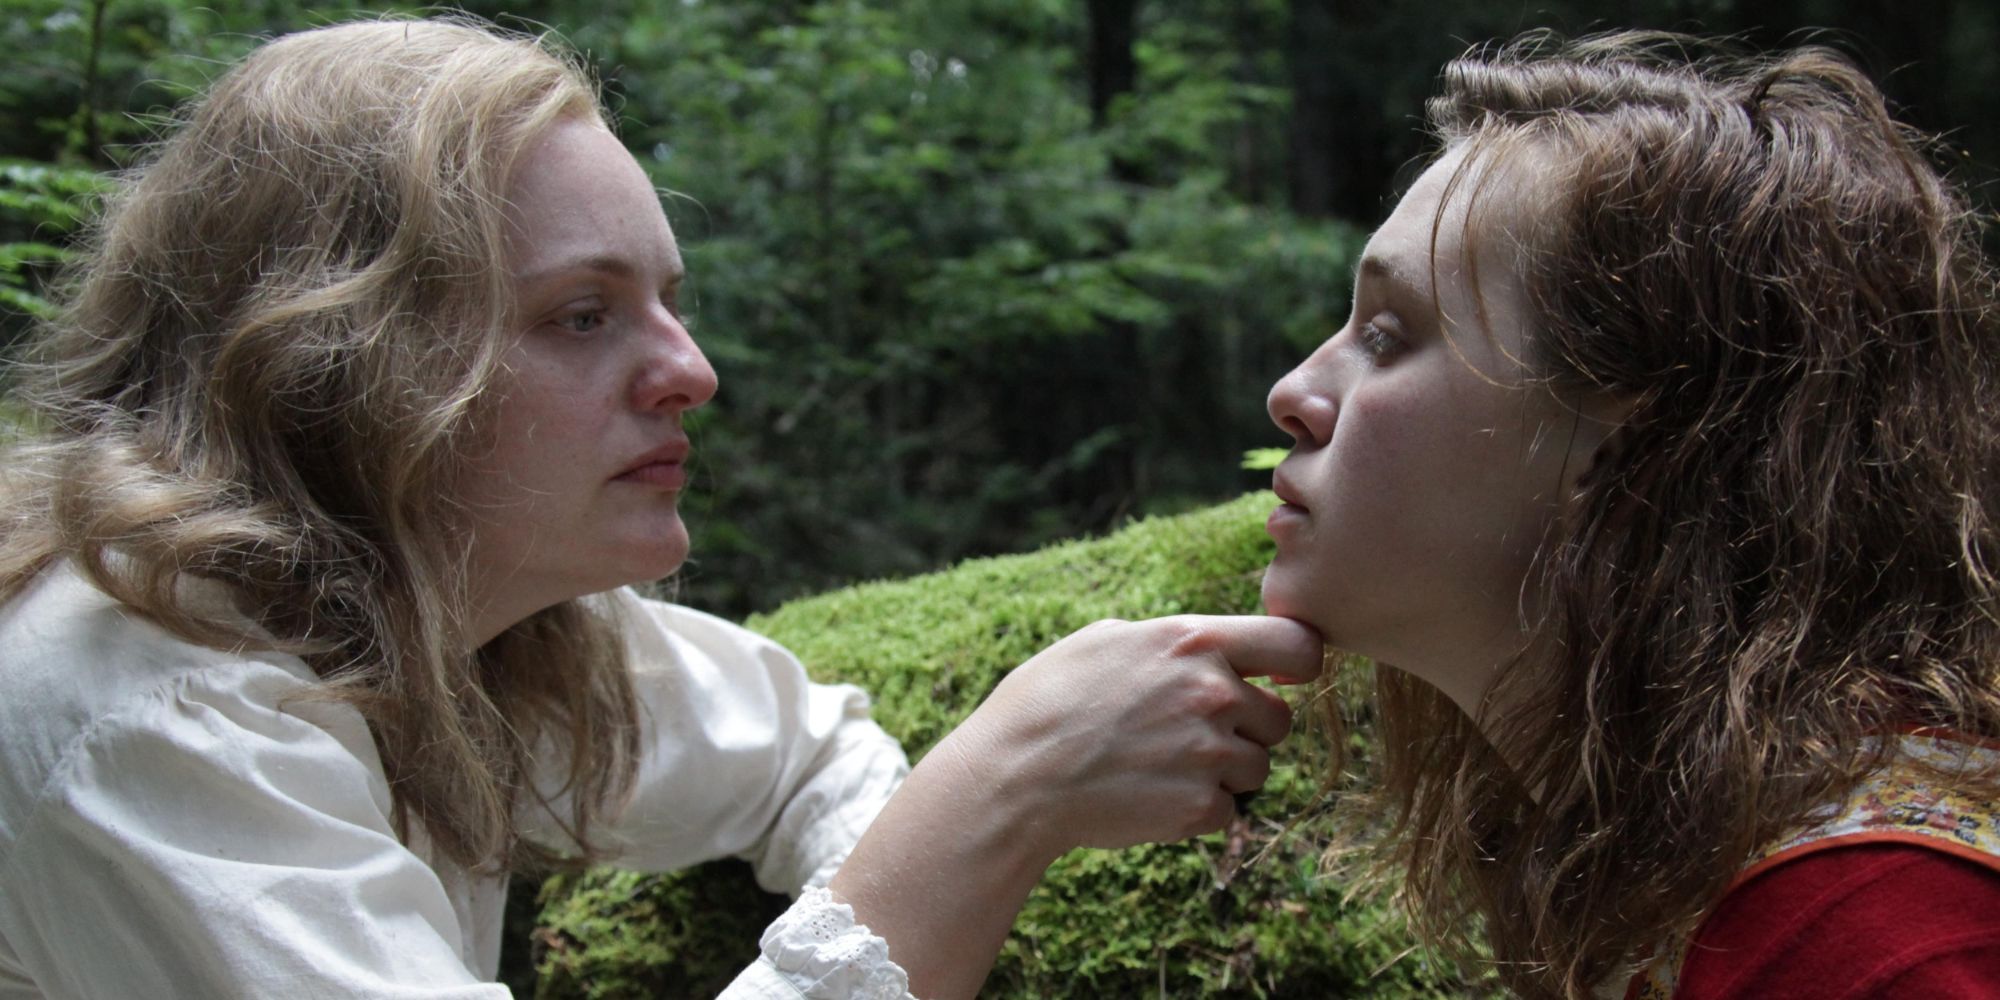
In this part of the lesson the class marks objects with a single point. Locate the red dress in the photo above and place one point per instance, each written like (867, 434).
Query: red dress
(1895, 894)
(1868, 920)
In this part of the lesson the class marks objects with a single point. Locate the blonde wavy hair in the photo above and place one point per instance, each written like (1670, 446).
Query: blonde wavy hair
(270, 370)
(1786, 557)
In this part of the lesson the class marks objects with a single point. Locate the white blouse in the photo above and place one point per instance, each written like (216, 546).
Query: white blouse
(180, 821)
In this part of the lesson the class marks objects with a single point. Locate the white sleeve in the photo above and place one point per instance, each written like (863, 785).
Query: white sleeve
(205, 843)
(741, 754)
(816, 951)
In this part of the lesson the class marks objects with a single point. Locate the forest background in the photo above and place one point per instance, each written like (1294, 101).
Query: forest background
(975, 274)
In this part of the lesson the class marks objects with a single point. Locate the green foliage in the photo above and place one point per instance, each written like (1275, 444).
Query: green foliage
(87, 79)
(1245, 911)
(43, 203)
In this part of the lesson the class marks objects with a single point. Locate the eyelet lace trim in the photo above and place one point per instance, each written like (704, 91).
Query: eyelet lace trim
(819, 948)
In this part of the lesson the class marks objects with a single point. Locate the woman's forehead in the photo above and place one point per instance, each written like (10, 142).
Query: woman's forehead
(1462, 202)
(577, 197)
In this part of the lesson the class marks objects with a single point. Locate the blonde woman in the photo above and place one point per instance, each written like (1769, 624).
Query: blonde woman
(1656, 467)
(364, 408)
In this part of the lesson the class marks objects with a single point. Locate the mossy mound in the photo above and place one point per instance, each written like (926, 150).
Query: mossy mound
(1242, 912)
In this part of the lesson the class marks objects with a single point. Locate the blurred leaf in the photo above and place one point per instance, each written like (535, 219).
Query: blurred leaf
(1263, 459)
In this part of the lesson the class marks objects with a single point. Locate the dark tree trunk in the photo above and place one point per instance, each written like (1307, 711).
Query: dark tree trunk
(1339, 141)
(93, 138)
(1315, 86)
(1112, 68)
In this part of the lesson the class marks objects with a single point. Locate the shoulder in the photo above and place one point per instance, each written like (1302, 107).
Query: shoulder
(79, 668)
(212, 812)
(1862, 920)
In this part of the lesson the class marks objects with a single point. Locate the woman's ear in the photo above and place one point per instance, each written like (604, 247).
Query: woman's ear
(1600, 435)
(1611, 448)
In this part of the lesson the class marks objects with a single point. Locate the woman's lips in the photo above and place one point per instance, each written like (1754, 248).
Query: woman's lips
(1289, 513)
(665, 467)
(1284, 518)
(662, 475)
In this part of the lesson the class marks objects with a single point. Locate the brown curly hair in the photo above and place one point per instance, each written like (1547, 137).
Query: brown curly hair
(1787, 552)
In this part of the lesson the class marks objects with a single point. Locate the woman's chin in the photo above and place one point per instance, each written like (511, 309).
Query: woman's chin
(1282, 601)
(644, 560)
(659, 567)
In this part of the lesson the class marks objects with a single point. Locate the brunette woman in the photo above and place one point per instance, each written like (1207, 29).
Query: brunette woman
(1656, 467)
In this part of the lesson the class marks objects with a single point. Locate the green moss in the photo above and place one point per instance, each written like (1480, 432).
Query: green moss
(615, 934)
(1159, 921)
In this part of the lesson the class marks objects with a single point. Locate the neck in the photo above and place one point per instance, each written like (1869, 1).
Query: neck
(491, 614)
(1468, 680)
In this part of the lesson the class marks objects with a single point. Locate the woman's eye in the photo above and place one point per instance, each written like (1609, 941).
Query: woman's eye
(581, 321)
(1378, 342)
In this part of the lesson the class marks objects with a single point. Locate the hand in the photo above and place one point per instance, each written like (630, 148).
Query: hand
(1122, 733)
(1128, 732)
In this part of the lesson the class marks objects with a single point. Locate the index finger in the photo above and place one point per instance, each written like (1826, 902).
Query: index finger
(1285, 650)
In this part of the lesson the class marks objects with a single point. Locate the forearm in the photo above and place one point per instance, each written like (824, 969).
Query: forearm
(942, 874)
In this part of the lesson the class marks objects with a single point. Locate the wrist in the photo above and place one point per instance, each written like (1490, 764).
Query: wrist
(1001, 812)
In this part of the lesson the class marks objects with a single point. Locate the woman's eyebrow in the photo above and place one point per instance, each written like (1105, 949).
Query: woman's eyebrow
(617, 267)
(1379, 268)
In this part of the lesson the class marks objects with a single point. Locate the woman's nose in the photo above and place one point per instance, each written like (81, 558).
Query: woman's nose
(1301, 408)
(675, 376)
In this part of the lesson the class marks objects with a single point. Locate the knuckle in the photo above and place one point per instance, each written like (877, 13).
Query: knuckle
(1280, 714)
(1254, 763)
(1212, 811)
(1184, 635)
(1209, 694)
(1282, 725)
(1260, 772)
(1211, 755)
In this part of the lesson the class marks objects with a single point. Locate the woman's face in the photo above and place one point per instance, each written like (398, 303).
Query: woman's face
(1425, 470)
(580, 490)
